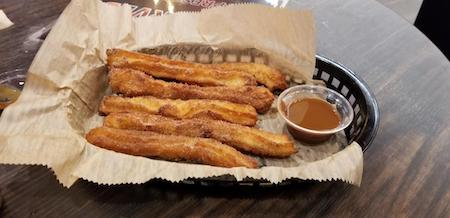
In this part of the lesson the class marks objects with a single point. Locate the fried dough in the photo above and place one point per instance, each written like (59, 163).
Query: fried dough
(243, 138)
(136, 83)
(173, 148)
(268, 76)
(182, 71)
(182, 109)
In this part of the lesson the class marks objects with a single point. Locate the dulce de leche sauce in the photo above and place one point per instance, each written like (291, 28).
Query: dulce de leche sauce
(8, 95)
(313, 113)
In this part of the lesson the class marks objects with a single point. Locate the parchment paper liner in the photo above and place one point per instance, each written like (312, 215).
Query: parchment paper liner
(67, 80)
(4, 21)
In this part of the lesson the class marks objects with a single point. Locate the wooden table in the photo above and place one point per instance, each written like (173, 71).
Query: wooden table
(406, 170)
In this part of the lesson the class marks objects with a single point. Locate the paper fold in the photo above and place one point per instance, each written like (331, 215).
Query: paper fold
(4, 21)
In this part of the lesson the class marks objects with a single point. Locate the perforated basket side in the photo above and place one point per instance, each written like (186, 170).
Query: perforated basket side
(364, 126)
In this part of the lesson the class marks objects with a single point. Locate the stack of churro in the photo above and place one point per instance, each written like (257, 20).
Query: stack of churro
(183, 111)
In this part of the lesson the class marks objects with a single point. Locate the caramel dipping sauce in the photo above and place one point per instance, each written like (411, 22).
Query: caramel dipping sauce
(313, 113)
(8, 95)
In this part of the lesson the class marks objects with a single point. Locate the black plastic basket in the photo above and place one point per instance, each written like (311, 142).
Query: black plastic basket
(363, 128)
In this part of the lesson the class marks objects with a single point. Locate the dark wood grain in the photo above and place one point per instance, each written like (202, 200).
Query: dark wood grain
(406, 170)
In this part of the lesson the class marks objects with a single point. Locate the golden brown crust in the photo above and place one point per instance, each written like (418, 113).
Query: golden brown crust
(136, 83)
(268, 76)
(182, 109)
(243, 138)
(178, 70)
(174, 148)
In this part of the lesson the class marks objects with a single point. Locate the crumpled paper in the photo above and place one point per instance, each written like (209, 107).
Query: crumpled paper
(4, 21)
(67, 80)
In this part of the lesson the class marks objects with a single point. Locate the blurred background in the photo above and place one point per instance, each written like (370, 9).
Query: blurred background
(432, 17)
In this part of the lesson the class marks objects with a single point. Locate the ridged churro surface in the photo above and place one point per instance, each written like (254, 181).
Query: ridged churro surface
(173, 148)
(268, 76)
(182, 71)
(136, 83)
(243, 138)
(182, 109)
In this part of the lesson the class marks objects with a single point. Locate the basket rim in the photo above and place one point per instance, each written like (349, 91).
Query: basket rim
(370, 99)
